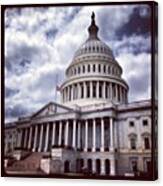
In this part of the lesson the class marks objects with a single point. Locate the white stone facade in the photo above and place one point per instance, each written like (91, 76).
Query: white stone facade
(94, 129)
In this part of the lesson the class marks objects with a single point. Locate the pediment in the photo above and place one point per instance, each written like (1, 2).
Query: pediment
(51, 109)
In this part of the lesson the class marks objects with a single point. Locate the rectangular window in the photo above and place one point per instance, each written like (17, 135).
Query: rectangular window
(146, 143)
(133, 143)
(131, 124)
(145, 122)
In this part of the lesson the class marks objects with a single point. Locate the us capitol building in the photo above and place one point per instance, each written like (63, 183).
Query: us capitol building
(94, 130)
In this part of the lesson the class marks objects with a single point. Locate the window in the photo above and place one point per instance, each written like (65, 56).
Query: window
(108, 69)
(145, 122)
(133, 143)
(134, 165)
(94, 90)
(94, 68)
(88, 68)
(146, 143)
(83, 69)
(104, 68)
(131, 124)
(78, 70)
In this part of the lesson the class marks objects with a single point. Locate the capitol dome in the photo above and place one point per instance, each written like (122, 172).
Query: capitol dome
(94, 76)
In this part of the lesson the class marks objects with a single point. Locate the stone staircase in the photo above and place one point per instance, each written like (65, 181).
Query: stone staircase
(30, 164)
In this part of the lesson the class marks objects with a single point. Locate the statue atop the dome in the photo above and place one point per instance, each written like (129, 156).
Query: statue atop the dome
(93, 29)
(93, 16)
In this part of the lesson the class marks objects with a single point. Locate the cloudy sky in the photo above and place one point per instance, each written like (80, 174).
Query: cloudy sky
(40, 43)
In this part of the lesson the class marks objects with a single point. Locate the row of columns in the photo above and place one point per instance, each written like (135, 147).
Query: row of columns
(95, 89)
(32, 139)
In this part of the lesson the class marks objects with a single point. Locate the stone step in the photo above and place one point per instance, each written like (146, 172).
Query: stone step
(30, 163)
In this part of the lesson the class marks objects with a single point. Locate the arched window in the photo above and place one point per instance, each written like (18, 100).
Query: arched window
(89, 163)
(132, 140)
(146, 143)
(94, 67)
(67, 166)
(88, 90)
(78, 70)
(107, 166)
(97, 49)
(74, 71)
(83, 68)
(88, 68)
(146, 140)
(98, 166)
(108, 69)
(113, 70)
(133, 143)
(93, 48)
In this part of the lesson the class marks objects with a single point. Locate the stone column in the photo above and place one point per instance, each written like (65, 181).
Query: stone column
(85, 90)
(79, 91)
(94, 136)
(19, 142)
(111, 90)
(53, 134)
(60, 133)
(103, 90)
(102, 167)
(79, 134)
(69, 93)
(102, 135)
(35, 138)
(86, 136)
(66, 133)
(30, 138)
(116, 92)
(47, 137)
(112, 166)
(111, 134)
(91, 89)
(72, 92)
(121, 97)
(93, 165)
(97, 89)
(25, 137)
(108, 89)
(74, 134)
(41, 138)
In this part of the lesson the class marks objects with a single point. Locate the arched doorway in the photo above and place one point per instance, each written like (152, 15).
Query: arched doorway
(81, 164)
(67, 166)
(89, 167)
(98, 166)
(107, 166)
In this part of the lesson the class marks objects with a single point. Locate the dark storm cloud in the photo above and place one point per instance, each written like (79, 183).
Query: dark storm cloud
(135, 45)
(16, 111)
(10, 92)
(51, 33)
(18, 60)
(139, 84)
(40, 43)
(138, 23)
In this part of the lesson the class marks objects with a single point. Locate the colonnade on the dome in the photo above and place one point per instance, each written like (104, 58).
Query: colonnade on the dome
(94, 89)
